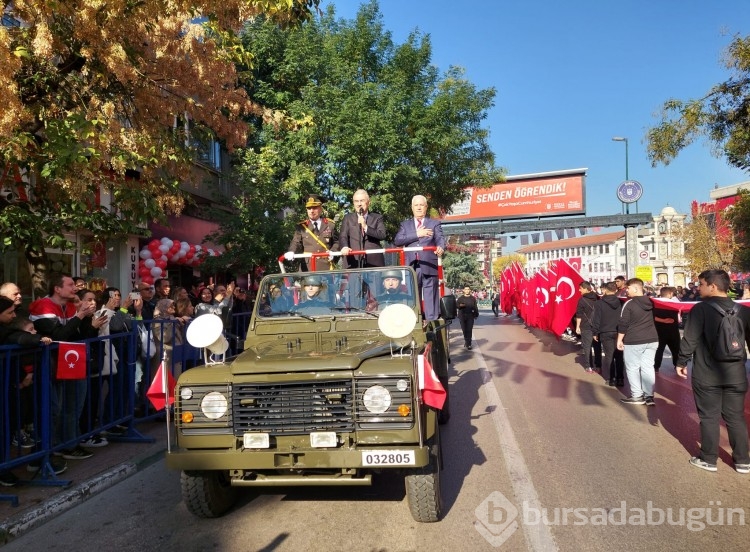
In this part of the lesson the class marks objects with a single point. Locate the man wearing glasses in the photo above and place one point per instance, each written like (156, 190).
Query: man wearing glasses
(149, 304)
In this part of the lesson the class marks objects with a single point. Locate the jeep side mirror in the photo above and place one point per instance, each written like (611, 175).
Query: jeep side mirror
(448, 307)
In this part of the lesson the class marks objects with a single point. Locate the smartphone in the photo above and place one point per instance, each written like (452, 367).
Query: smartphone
(134, 295)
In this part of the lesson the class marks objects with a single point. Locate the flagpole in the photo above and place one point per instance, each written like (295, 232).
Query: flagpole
(165, 390)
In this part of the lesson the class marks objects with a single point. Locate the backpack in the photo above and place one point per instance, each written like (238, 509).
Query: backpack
(729, 345)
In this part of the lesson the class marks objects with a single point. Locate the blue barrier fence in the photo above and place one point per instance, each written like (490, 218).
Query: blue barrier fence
(47, 415)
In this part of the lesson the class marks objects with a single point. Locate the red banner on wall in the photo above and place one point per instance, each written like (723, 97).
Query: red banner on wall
(540, 195)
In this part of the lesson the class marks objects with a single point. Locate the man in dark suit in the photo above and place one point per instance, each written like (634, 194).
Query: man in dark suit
(315, 234)
(362, 230)
(423, 231)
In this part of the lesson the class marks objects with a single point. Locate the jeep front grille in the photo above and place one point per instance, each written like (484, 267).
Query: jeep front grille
(293, 408)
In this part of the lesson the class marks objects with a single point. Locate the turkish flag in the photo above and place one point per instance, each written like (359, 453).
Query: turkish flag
(71, 361)
(566, 296)
(161, 391)
(433, 392)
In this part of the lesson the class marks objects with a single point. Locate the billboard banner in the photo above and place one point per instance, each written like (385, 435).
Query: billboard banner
(540, 195)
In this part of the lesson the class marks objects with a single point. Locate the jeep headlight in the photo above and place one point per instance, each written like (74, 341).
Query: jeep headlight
(214, 405)
(377, 399)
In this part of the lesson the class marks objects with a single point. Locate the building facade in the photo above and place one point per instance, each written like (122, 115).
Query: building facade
(601, 257)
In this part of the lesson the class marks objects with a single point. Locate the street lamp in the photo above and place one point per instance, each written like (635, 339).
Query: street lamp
(631, 236)
(621, 139)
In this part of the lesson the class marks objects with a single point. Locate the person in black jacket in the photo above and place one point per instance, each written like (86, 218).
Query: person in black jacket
(360, 231)
(637, 339)
(467, 313)
(604, 322)
(584, 312)
(667, 327)
(719, 388)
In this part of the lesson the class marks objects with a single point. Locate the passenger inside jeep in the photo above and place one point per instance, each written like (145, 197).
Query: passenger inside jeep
(393, 290)
(314, 296)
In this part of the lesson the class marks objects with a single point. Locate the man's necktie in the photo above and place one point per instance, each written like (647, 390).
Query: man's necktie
(315, 224)
(419, 223)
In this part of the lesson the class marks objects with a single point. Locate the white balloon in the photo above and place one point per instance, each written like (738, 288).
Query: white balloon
(156, 272)
(163, 248)
(185, 246)
(164, 240)
(150, 263)
(145, 253)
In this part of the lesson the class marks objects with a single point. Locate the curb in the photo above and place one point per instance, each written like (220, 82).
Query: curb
(20, 524)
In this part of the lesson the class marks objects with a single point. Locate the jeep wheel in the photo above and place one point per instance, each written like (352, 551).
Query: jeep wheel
(423, 488)
(445, 413)
(207, 494)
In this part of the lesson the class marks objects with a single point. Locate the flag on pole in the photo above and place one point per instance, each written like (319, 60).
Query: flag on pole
(161, 391)
(71, 361)
(433, 393)
(566, 296)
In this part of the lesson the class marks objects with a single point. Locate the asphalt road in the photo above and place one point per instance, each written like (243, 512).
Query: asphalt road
(538, 456)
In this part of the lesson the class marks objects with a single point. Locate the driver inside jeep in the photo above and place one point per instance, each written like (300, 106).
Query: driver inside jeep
(313, 297)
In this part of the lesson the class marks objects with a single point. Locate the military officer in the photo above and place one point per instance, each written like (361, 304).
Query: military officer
(315, 234)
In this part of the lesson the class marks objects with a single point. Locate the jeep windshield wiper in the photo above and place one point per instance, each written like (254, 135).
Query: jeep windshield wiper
(356, 309)
(288, 313)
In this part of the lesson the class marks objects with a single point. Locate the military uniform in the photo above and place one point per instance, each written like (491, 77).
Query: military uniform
(325, 238)
(303, 242)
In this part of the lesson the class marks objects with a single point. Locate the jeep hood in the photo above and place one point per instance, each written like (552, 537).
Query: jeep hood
(310, 352)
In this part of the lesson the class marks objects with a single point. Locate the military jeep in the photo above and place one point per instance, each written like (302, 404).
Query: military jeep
(326, 392)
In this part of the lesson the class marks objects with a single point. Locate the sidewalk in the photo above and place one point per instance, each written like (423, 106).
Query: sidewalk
(109, 465)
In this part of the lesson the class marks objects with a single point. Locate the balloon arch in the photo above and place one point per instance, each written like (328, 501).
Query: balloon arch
(156, 254)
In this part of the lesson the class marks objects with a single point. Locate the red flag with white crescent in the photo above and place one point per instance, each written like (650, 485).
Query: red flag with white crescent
(71, 361)
(566, 296)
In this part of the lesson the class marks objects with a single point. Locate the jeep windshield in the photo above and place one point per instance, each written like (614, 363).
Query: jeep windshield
(363, 292)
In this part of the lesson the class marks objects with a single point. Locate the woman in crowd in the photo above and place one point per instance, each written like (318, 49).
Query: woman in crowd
(102, 361)
(168, 334)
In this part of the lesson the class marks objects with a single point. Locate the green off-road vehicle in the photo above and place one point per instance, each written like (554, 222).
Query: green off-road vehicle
(327, 392)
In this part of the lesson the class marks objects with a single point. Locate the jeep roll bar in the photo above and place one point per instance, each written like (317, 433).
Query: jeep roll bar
(400, 250)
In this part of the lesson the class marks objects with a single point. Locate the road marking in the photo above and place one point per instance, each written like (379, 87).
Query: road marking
(538, 535)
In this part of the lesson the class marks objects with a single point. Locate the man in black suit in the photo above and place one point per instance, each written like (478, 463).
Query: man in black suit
(360, 231)
(423, 231)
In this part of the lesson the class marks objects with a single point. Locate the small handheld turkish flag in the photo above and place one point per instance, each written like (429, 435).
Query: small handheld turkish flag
(71, 361)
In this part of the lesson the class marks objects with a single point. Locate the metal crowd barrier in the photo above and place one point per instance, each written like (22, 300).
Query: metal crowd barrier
(114, 401)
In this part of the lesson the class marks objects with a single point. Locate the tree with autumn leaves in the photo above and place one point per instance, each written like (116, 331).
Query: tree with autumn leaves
(113, 97)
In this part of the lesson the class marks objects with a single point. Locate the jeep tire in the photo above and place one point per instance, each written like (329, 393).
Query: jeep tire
(423, 487)
(207, 494)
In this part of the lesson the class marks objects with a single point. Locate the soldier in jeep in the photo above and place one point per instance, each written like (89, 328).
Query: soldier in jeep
(392, 292)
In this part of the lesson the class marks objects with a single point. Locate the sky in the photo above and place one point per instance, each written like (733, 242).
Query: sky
(569, 76)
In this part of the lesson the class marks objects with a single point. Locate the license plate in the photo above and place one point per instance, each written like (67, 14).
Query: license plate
(388, 458)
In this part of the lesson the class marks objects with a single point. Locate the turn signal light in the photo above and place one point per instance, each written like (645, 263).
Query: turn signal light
(404, 410)
(187, 417)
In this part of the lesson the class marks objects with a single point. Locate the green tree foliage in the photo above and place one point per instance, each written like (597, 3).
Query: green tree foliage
(722, 116)
(360, 112)
(460, 268)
